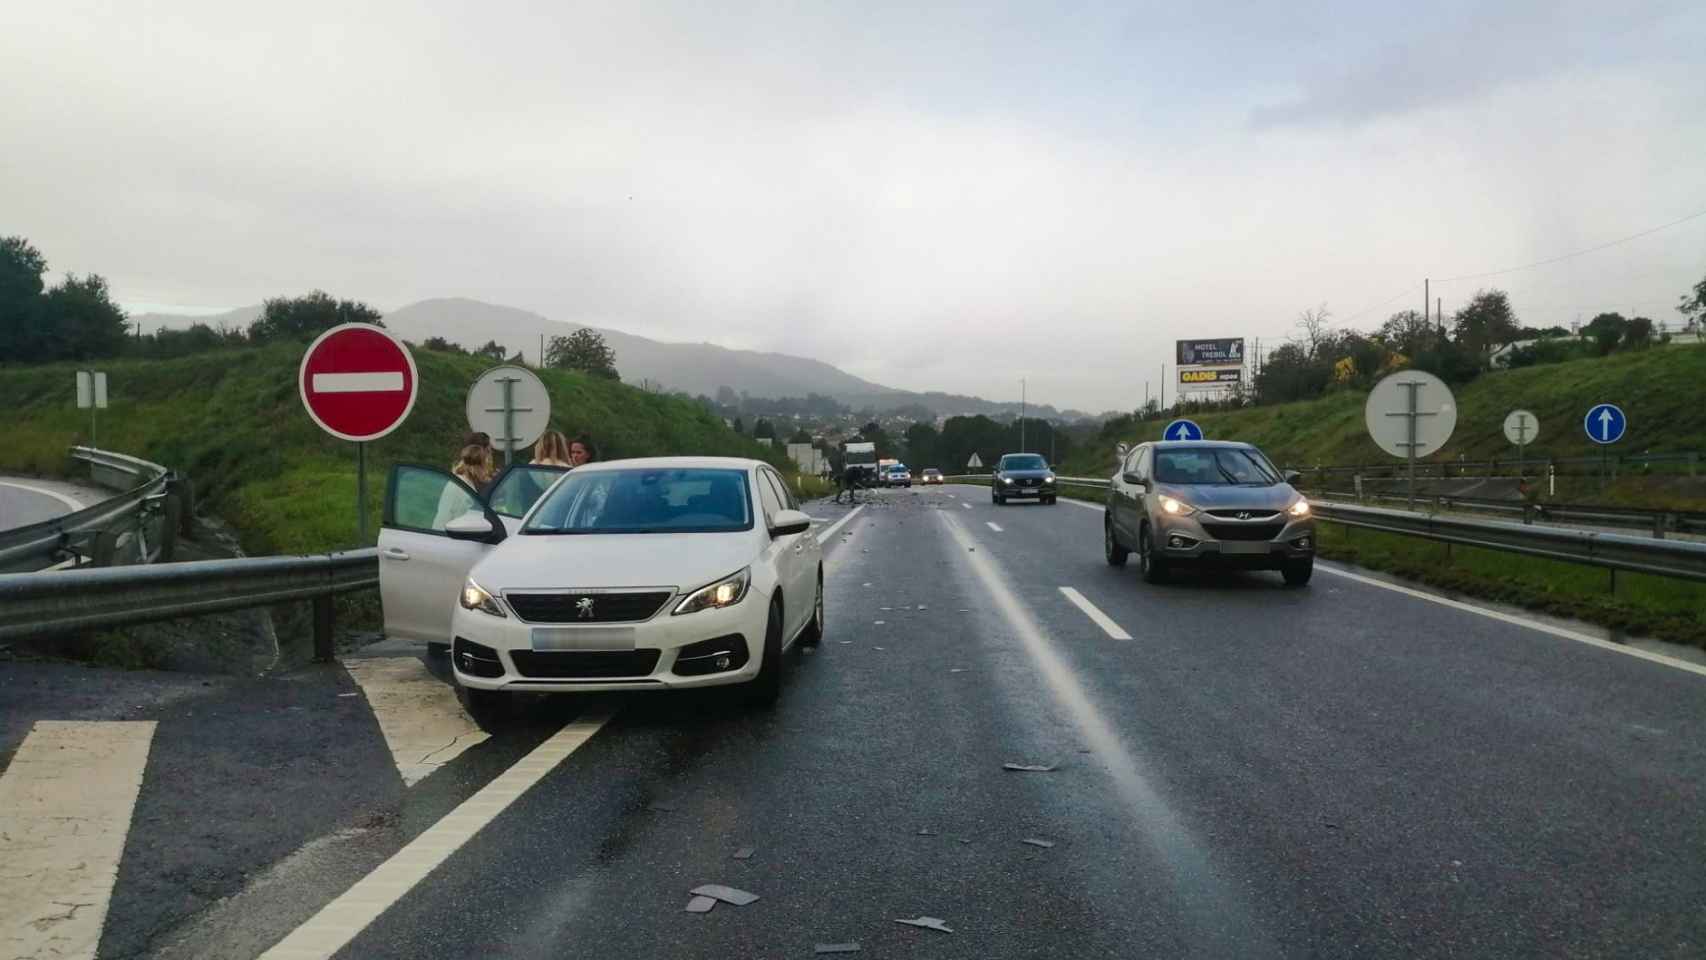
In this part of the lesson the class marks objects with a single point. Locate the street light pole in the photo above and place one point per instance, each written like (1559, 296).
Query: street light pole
(1022, 447)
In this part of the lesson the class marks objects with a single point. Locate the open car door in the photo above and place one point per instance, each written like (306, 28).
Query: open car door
(421, 568)
(518, 488)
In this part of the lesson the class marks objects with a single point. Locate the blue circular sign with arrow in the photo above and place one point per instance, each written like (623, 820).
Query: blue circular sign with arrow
(1605, 423)
(1182, 429)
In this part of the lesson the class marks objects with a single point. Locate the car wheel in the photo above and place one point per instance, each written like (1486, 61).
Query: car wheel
(813, 633)
(1298, 572)
(489, 708)
(1111, 549)
(1049, 501)
(1153, 567)
(762, 690)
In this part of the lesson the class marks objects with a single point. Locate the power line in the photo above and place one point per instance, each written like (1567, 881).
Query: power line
(1567, 256)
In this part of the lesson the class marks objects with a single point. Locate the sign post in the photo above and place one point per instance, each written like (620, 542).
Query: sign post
(1521, 428)
(359, 383)
(510, 404)
(1410, 414)
(91, 396)
(1605, 425)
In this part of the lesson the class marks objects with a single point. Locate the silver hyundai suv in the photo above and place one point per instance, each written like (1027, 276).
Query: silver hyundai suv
(1198, 502)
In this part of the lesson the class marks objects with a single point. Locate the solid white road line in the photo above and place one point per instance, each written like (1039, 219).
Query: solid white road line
(43, 491)
(838, 524)
(1591, 641)
(1102, 620)
(1080, 503)
(423, 723)
(385, 381)
(340, 921)
(65, 805)
(991, 525)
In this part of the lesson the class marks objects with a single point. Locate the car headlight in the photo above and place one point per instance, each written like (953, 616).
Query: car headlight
(1178, 508)
(712, 596)
(1299, 509)
(475, 597)
(1006, 479)
(1049, 478)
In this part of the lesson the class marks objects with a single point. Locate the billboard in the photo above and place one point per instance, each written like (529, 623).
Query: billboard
(1200, 377)
(1211, 353)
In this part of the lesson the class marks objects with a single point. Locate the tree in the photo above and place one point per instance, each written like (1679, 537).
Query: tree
(583, 350)
(492, 351)
(1315, 330)
(1693, 307)
(1486, 321)
(304, 318)
(739, 427)
(1408, 332)
(443, 346)
(1606, 330)
(83, 321)
(21, 269)
(922, 444)
(801, 435)
(763, 430)
(1639, 334)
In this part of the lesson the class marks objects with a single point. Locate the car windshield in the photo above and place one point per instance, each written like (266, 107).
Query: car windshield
(658, 500)
(1031, 462)
(1208, 465)
(520, 487)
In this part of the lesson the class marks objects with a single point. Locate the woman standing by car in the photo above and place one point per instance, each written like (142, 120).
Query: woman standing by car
(553, 450)
(473, 467)
(581, 451)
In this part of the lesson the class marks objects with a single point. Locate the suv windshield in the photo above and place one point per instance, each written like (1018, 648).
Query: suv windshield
(1206, 465)
(646, 501)
(1025, 462)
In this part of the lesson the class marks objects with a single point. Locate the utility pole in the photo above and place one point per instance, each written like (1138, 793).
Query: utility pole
(1426, 299)
(1163, 384)
(1022, 447)
(541, 351)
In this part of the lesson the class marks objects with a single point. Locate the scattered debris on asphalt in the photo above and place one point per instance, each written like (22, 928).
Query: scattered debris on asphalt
(745, 853)
(717, 891)
(926, 832)
(876, 648)
(1029, 767)
(957, 670)
(1033, 841)
(928, 923)
(701, 904)
(838, 948)
(879, 622)
(660, 807)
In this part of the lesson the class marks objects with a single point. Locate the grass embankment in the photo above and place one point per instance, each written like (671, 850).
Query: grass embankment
(1663, 392)
(232, 421)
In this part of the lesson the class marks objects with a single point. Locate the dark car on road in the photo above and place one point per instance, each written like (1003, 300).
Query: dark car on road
(931, 475)
(1182, 503)
(1022, 475)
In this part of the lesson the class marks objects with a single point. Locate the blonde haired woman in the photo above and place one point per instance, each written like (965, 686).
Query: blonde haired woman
(552, 450)
(473, 467)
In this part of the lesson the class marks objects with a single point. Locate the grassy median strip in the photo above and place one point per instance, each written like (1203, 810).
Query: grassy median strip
(1642, 604)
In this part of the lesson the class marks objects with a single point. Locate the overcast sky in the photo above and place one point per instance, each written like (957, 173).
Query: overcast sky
(932, 196)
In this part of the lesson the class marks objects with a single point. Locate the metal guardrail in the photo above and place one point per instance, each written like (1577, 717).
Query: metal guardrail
(33, 604)
(1614, 551)
(1658, 521)
(145, 489)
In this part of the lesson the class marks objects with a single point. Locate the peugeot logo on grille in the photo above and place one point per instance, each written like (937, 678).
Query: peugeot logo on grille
(583, 608)
(1243, 514)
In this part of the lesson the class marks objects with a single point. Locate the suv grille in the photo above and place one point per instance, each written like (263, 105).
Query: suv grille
(1248, 514)
(603, 607)
(1243, 531)
(581, 665)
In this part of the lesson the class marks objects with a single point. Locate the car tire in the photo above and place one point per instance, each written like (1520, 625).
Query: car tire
(1049, 501)
(1298, 572)
(490, 709)
(812, 635)
(1111, 550)
(1153, 567)
(762, 690)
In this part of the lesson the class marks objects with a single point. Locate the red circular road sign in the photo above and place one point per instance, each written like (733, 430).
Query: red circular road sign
(357, 381)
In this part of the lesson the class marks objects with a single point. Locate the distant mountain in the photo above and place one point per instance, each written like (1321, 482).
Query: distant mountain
(695, 368)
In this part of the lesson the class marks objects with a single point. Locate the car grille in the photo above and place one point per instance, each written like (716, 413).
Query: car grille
(1248, 514)
(604, 608)
(582, 665)
(1243, 531)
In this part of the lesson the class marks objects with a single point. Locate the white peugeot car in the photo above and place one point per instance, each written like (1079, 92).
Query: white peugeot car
(627, 575)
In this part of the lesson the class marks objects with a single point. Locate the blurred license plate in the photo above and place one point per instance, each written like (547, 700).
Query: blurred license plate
(583, 638)
(1233, 546)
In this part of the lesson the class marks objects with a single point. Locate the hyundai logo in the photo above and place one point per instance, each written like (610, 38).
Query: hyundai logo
(1243, 514)
(583, 608)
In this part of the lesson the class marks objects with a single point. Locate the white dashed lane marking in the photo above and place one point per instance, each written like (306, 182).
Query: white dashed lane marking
(1101, 619)
(992, 526)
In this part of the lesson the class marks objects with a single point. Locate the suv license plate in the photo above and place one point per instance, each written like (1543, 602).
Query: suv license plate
(1243, 547)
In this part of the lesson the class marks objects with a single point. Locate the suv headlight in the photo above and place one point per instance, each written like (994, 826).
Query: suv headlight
(1177, 508)
(1006, 479)
(1299, 509)
(475, 597)
(1049, 478)
(724, 593)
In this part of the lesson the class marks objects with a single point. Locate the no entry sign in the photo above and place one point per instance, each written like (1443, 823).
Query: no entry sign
(357, 381)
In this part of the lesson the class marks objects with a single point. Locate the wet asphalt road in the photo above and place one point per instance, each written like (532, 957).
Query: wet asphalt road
(1337, 771)
(21, 505)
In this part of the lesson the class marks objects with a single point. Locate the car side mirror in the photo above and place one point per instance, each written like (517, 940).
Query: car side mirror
(476, 527)
(787, 522)
(1131, 477)
(1292, 476)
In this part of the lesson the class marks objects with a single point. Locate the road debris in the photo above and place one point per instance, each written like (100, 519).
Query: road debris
(1029, 767)
(745, 853)
(701, 904)
(1033, 841)
(926, 832)
(717, 891)
(928, 923)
